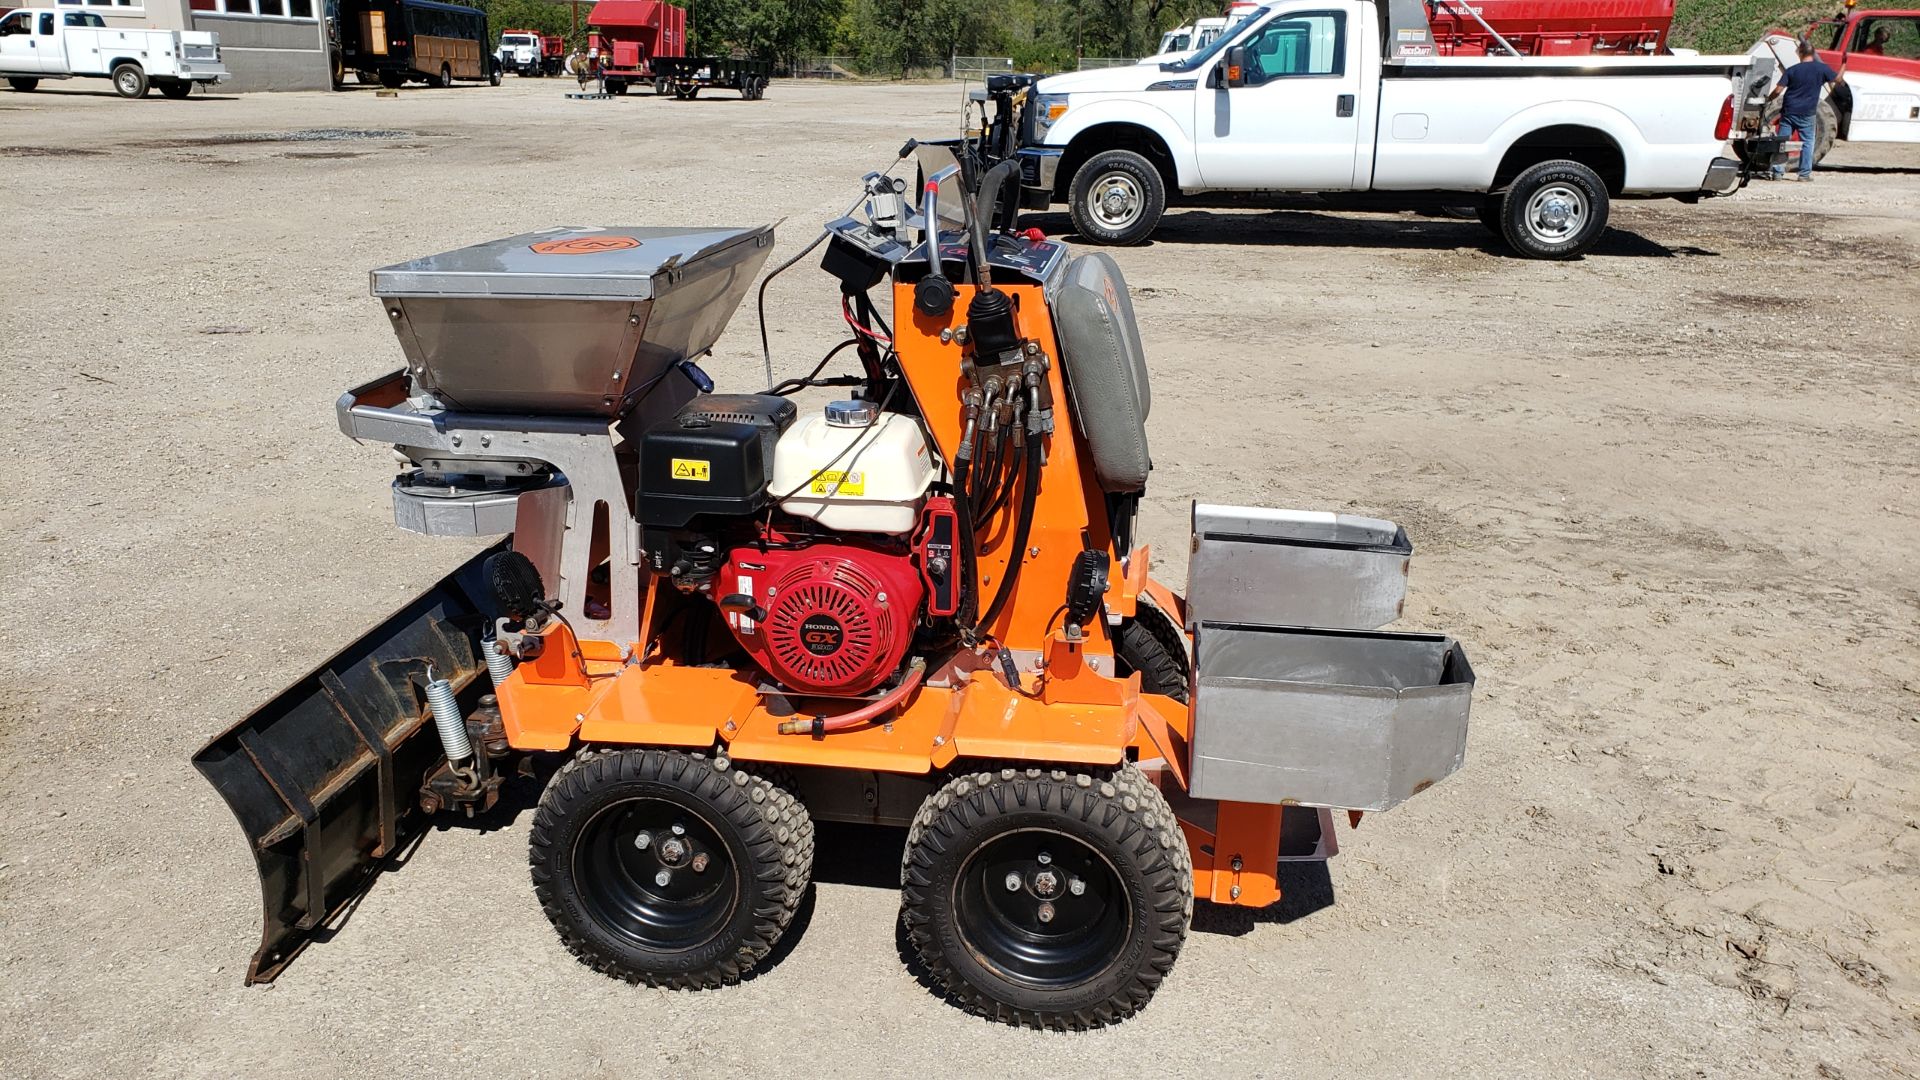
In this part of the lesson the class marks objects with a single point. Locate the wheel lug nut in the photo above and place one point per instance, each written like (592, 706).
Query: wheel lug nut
(1013, 882)
(679, 830)
(1046, 912)
(1076, 886)
(642, 840)
(663, 877)
(700, 863)
(1043, 859)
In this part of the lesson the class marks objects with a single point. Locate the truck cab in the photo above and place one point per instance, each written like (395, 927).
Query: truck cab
(1879, 52)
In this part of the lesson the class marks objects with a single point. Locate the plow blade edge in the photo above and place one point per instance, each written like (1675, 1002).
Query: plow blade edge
(325, 778)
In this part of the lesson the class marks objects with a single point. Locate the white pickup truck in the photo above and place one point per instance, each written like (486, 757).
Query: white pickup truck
(1348, 96)
(47, 43)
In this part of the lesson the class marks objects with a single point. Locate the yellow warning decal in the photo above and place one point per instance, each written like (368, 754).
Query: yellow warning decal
(688, 469)
(840, 483)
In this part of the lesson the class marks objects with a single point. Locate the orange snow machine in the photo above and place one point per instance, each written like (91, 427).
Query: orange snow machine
(902, 591)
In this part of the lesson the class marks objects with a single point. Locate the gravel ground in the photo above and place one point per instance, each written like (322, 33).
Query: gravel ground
(1666, 494)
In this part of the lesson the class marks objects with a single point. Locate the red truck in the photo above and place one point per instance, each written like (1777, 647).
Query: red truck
(530, 52)
(625, 37)
(1879, 53)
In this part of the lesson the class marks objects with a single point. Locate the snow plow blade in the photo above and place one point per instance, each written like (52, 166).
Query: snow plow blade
(325, 778)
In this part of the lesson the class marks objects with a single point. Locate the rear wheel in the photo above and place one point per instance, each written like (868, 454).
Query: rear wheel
(669, 868)
(130, 80)
(1117, 197)
(1150, 644)
(616, 86)
(659, 88)
(446, 77)
(1554, 210)
(176, 89)
(1826, 128)
(1047, 897)
(392, 80)
(1489, 214)
(493, 77)
(24, 85)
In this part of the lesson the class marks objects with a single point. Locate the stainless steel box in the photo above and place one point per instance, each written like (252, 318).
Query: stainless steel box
(571, 321)
(1340, 718)
(1268, 567)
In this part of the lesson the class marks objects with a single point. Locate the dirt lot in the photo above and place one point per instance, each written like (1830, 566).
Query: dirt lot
(1667, 495)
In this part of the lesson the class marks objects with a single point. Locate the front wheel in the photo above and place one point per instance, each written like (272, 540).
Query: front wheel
(1117, 198)
(130, 81)
(493, 77)
(669, 868)
(24, 85)
(1554, 210)
(1047, 897)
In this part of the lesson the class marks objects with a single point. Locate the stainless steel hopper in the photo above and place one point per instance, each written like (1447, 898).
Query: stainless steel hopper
(566, 321)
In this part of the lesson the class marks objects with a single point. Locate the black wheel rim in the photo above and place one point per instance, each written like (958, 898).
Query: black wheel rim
(619, 863)
(1017, 910)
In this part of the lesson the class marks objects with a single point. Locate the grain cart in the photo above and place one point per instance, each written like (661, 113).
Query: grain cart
(920, 605)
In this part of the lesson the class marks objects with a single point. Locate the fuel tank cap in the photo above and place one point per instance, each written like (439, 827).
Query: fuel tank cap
(852, 413)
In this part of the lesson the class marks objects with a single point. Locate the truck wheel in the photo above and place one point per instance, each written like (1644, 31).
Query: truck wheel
(445, 79)
(616, 86)
(177, 89)
(1489, 213)
(669, 868)
(392, 80)
(24, 85)
(1052, 898)
(1826, 127)
(493, 77)
(1554, 210)
(1117, 197)
(659, 88)
(129, 80)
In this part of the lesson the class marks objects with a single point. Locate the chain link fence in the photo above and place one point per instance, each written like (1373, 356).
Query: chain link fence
(823, 67)
(979, 67)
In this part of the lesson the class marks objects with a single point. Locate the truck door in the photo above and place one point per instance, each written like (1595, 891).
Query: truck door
(1882, 62)
(1292, 123)
(18, 53)
(51, 45)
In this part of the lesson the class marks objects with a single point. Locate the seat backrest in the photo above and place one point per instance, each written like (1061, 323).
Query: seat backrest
(1106, 370)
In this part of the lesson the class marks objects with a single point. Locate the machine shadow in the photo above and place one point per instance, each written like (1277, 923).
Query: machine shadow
(1871, 170)
(1313, 228)
(1305, 887)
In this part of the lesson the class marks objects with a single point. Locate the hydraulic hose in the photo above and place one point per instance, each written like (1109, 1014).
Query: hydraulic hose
(1023, 528)
(991, 186)
(866, 714)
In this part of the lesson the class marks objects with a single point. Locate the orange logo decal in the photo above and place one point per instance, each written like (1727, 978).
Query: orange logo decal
(584, 245)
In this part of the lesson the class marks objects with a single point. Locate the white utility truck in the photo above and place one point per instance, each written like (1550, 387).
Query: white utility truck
(50, 43)
(1339, 97)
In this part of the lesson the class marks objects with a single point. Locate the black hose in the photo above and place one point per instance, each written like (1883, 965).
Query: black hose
(1022, 529)
(969, 575)
(991, 187)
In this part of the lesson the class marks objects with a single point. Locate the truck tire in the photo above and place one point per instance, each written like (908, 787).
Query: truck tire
(392, 80)
(659, 88)
(1826, 128)
(129, 80)
(1116, 198)
(445, 79)
(1554, 210)
(27, 85)
(493, 76)
(616, 87)
(1047, 896)
(614, 851)
(176, 89)
(1488, 213)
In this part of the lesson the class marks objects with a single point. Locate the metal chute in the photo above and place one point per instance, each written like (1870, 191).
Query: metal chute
(325, 778)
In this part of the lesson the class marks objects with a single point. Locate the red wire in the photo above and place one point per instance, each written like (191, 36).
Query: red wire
(846, 312)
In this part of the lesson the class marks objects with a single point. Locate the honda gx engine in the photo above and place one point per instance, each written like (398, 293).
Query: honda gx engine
(819, 539)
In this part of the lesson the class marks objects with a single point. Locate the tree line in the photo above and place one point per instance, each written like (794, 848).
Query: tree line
(898, 37)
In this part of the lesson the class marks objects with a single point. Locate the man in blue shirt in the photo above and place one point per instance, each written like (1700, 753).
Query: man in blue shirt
(1799, 90)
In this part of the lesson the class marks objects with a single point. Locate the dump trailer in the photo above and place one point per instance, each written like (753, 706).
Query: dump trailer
(626, 38)
(711, 620)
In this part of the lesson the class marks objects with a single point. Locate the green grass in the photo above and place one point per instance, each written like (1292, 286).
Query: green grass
(1732, 26)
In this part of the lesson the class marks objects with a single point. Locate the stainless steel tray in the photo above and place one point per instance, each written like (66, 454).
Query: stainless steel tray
(1268, 567)
(1339, 718)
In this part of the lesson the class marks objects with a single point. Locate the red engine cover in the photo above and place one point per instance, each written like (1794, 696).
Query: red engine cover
(837, 618)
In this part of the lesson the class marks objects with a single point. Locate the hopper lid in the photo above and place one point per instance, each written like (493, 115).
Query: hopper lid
(568, 262)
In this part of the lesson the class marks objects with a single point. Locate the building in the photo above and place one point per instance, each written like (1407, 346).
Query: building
(266, 44)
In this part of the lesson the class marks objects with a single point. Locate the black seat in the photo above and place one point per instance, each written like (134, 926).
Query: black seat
(1106, 371)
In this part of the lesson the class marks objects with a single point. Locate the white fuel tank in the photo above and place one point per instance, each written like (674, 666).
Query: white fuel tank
(854, 469)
